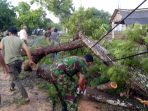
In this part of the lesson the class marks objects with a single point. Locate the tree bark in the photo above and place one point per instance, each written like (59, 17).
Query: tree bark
(98, 50)
(39, 53)
(113, 100)
(139, 82)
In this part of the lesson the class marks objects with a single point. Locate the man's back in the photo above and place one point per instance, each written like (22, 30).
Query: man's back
(55, 36)
(69, 65)
(12, 46)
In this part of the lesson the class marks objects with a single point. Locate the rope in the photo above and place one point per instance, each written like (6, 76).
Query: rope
(118, 23)
(130, 56)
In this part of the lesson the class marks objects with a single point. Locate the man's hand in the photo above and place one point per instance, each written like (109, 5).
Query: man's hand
(81, 84)
(6, 70)
(31, 62)
(33, 65)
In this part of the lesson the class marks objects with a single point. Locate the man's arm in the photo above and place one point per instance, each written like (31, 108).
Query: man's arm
(25, 48)
(2, 63)
(81, 81)
(23, 33)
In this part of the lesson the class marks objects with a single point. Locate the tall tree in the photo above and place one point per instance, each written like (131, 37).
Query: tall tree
(92, 21)
(7, 15)
(31, 18)
(61, 8)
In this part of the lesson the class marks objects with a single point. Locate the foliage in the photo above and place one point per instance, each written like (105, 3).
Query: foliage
(7, 15)
(144, 64)
(118, 74)
(31, 18)
(91, 21)
(137, 33)
(135, 41)
(60, 8)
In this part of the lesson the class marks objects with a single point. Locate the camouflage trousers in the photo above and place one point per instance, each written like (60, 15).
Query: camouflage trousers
(68, 92)
(65, 86)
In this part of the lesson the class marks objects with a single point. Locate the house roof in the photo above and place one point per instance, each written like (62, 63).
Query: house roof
(139, 16)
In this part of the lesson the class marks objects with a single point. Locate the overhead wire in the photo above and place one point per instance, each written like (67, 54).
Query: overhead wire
(130, 56)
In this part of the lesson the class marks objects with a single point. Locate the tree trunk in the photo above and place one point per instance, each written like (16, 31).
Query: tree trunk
(44, 72)
(98, 50)
(39, 53)
(139, 82)
(106, 86)
(113, 100)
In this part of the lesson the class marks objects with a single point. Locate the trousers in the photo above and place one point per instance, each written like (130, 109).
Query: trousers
(15, 69)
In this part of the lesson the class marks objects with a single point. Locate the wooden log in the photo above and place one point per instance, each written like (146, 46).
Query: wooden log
(139, 82)
(106, 86)
(98, 50)
(39, 53)
(113, 100)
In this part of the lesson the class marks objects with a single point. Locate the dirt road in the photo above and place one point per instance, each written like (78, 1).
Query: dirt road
(39, 100)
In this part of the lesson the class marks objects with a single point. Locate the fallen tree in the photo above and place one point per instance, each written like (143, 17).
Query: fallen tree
(96, 93)
(101, 53)
(39, 53)
(139, 82)
(113, 99)
(98, 50)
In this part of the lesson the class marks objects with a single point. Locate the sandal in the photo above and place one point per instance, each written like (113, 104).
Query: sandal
(26, 100)
(12, 89)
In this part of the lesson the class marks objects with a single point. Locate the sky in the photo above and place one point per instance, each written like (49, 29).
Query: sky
(106, 5)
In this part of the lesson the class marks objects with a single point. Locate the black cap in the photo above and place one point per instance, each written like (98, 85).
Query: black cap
(89, 58)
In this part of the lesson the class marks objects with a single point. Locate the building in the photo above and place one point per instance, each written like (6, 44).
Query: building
(139, 16)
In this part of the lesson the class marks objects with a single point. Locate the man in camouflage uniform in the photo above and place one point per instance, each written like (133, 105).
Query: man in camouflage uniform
(63, 71)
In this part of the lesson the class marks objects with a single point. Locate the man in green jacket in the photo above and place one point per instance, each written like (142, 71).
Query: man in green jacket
(11, 46)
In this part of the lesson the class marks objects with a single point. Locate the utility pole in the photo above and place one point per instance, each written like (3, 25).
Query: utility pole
(118, 4)
(80, 3)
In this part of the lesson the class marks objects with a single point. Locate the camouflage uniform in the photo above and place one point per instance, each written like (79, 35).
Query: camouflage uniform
(68, 66)
(63, 71)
